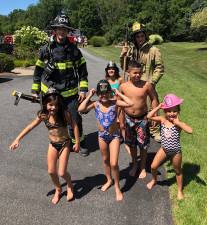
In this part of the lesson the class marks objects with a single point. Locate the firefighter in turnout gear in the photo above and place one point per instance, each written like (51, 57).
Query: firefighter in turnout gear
(61, 65)
(149, 57)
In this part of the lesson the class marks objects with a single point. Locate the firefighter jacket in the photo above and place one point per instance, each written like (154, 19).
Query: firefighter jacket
(62, 67)
(150, 59)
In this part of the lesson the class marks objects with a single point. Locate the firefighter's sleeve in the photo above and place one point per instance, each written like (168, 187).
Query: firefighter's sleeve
(159, 67)
(38, 72)
(82, 72)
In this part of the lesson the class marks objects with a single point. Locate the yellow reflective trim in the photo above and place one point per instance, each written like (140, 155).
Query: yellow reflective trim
(64, 66)
(60, 66)
(69, 64)
(84, 84)
(70, 92)
(40, 63)
(80, 61)
(44, 88)
(35, 87)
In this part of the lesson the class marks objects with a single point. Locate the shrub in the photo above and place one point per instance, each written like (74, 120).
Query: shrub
(97, 41)
(155, 39)
(24, 52)
(23, 62)
(31, 37)
(6, 63)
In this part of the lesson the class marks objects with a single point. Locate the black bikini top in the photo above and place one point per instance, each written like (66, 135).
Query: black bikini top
(52, 126)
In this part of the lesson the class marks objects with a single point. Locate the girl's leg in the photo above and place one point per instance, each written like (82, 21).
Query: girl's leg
(177, 161)
(62, 171)
(114, 148)
(106, 163)
(133, 153)
(143, 156)
(52, 157)
(158, 159)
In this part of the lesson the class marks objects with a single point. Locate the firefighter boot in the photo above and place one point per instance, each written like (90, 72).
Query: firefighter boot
(83, 148)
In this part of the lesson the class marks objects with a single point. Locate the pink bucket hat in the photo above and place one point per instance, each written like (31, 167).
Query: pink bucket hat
(170, 101)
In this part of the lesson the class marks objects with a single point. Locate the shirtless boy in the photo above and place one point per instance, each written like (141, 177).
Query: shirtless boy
(136, 124)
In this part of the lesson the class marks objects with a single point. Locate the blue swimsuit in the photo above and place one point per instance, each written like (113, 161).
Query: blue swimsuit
(106, 120)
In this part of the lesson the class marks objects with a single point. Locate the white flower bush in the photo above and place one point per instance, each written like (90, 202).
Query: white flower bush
(31, 37)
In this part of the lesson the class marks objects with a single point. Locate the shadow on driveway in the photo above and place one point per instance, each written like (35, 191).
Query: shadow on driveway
(3, 80)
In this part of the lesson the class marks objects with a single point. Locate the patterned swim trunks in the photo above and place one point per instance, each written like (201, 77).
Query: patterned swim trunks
(137, 132)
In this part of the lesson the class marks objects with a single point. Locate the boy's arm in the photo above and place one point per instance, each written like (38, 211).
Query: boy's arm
(183, 125)
(124, 101)
(87, 105)
(25, 131)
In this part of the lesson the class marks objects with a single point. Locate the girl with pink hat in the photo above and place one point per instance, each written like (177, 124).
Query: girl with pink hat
(171, 127)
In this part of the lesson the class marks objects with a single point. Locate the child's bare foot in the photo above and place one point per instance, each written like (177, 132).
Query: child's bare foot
(107, 185)
(143, 174)
(56, 197)
(70, 194)
(133, 170)
(119, 195)
(180, 195)
(151, 184)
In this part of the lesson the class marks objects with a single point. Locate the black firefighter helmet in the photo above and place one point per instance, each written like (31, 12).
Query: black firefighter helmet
(103, 87)
(112, 64)
(62, 20)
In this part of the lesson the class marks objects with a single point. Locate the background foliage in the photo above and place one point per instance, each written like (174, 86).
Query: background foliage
(171, 19)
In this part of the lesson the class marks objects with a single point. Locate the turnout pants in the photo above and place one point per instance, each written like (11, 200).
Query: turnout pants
(71, 104)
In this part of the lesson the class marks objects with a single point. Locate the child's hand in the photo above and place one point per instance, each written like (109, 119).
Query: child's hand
(176, 121)
(92, 92)
(14, 145)
(160, 105)
(76, 147)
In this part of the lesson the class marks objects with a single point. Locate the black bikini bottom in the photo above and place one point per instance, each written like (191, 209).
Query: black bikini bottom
(59, 146)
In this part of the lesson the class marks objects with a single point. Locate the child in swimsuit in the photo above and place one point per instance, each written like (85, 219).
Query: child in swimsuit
(56, 119)
(109, 135)
(171, 127)
(115, 80)
(112, 75)
(136, 123)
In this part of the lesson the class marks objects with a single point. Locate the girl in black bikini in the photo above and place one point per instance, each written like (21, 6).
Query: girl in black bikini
(56, 120)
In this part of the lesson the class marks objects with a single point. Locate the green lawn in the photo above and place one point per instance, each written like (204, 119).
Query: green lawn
(186, 76)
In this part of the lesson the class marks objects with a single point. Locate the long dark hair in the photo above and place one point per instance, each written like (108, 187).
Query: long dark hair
(57, 100)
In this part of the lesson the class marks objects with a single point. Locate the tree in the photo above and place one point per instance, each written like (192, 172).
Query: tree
(89, 21)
